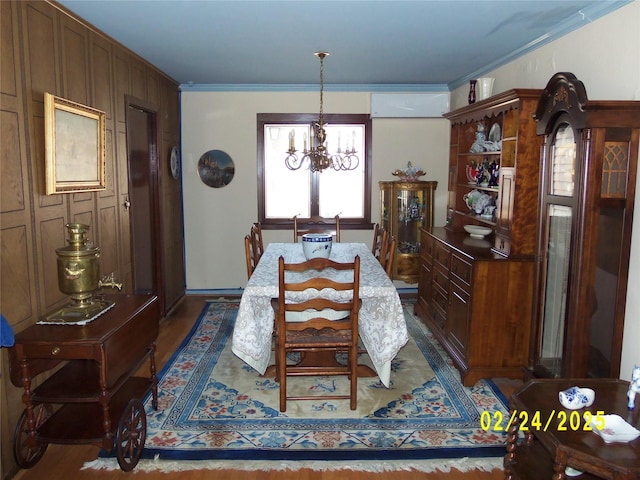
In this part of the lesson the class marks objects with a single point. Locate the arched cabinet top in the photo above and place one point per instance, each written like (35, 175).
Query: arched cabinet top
(564, 94)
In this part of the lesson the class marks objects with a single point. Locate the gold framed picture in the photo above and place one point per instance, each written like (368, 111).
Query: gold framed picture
(74, 146)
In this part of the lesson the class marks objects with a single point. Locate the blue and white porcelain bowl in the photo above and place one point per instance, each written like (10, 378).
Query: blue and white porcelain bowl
(316, 245)
(576, 397)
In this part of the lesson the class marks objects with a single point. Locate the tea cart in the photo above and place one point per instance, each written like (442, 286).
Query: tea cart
(93, 396)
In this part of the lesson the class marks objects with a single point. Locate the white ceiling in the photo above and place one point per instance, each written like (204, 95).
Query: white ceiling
(378, 44)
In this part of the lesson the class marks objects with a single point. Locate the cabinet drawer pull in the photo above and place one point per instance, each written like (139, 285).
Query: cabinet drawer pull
(55, 350)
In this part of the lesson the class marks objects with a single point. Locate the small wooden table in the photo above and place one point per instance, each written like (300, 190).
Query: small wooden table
(95, 387)
(545, 453)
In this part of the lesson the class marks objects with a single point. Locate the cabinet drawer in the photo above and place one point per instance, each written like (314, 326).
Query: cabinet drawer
(442, 255)
(437, 318)
(52, 351)
(440, 301)
(461, 269)
(440, 279)
(426, 247)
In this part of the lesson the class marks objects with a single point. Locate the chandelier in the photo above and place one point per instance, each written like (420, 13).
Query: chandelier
(317, 156)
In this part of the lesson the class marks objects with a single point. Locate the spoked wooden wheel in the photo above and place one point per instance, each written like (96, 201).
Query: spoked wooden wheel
(131, 434)
(28, 451)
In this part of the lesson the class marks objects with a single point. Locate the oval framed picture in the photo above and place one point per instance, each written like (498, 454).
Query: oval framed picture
(216, 169)
(174, 162)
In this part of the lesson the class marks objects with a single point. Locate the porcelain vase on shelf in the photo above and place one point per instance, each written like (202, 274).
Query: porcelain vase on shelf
(484, 87)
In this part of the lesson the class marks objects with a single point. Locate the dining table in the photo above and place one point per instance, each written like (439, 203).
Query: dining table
(381, 322)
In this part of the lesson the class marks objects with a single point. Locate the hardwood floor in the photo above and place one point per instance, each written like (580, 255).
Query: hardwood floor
(66, 461)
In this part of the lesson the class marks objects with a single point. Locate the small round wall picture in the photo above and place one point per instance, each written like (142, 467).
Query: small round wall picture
(216, 168)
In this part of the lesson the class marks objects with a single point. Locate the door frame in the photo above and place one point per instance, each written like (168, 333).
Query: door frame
(154, 185)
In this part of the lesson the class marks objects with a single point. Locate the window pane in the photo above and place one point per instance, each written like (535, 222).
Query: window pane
(563, 162)
(342, 192)
(556, 290)
(287, 192)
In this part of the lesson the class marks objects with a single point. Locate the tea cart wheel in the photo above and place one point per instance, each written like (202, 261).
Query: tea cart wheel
(28, 451)
(131, 434)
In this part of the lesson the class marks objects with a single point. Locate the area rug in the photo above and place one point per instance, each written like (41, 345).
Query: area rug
(216, 412)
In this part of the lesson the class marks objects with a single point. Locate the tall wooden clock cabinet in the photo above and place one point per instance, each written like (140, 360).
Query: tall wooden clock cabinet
(587, 190)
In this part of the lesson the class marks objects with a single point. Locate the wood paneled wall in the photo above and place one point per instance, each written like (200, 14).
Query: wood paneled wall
(44, 48)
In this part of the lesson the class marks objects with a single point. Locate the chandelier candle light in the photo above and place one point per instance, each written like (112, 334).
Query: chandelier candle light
(317, 155)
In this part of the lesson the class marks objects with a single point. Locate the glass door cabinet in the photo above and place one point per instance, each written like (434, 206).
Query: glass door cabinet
(405, 208)
(587, 190)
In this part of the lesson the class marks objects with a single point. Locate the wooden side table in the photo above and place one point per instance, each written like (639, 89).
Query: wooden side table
(93, 397)
(544, 453)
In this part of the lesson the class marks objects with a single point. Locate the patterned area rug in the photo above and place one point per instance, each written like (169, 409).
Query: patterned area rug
(214, 411)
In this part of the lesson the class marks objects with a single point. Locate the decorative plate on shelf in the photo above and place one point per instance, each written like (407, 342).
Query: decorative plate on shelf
(174, 162)
(495, 134)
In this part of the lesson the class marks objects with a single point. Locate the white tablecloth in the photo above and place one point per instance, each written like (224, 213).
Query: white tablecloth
(383, 330)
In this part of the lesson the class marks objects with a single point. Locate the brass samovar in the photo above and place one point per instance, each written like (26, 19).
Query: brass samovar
(79, 277)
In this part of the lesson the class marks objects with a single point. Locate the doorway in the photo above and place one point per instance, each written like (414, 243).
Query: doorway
(143, 195)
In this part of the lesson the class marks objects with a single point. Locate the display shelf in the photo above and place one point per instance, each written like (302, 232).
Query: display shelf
(506, 121)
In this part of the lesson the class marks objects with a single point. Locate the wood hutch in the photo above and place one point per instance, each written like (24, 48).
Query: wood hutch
(476, 295)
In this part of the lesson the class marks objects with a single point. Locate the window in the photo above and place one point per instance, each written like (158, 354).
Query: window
(284, 193)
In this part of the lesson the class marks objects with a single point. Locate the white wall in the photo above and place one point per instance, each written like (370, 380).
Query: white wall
(216, 220)
(605, 55)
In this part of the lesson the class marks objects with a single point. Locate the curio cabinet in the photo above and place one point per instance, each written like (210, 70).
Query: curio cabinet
(406, 207)
(587, 189)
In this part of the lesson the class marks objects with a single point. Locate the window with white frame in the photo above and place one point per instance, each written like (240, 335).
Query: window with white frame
(285, 193)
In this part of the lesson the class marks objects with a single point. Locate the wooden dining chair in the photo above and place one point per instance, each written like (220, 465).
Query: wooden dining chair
(318, 224)
(383, 246)
(317, 333)
(256, 241)
(249, 257)
(386, 260)
(378, 232)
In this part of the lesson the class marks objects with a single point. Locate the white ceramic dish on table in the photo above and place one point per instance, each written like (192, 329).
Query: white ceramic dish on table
(317, 245)
(476, 231)
(614, 429)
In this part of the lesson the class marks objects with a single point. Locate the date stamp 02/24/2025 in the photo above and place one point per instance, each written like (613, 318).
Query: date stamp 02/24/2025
(525, 421)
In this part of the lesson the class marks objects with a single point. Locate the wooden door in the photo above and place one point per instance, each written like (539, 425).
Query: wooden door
(143, 195)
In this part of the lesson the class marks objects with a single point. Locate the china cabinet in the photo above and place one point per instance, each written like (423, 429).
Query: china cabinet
(587, 191)
(405, 208)
(476, 294)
